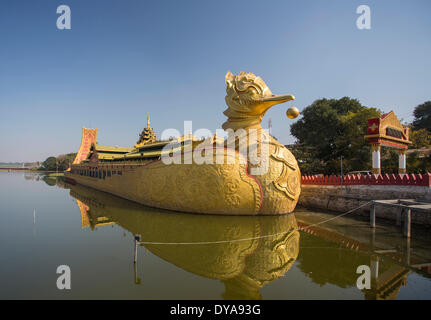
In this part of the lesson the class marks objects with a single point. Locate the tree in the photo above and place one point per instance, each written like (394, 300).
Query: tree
(422, 114)
(420, 138)
(50, 164)
(332, 128)
(65, 160)
(61, 163)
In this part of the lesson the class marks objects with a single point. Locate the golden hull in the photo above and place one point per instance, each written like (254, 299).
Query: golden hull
(208, 188)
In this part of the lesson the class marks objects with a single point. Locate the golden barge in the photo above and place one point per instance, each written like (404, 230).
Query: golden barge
(230, 186)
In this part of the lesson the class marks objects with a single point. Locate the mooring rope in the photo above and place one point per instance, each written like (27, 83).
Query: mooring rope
(254, 238)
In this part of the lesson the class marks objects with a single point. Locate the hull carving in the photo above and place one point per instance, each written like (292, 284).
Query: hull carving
(210, 188)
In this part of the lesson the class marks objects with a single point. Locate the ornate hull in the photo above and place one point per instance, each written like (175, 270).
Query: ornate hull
(209, 188)
(281, 184)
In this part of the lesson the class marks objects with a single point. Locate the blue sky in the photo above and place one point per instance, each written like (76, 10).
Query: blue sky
(123, 59)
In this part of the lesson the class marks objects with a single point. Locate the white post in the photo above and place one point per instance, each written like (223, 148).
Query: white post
(402, 161)
(375, 151)
(407, 222)
(137, 239)
(373, 215)
(374, 267)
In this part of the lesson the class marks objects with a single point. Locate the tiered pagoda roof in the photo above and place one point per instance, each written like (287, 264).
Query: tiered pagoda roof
(147, 135)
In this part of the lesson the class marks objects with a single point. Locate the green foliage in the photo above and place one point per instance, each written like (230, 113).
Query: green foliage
(331, 129)
(60, 163)
(65, 160)
(389, 160)
(306, 160)
(50, 164)
(419, 162)
(422, 114)
(420, 138)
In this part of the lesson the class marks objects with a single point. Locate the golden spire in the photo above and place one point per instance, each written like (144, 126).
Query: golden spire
(147, 135)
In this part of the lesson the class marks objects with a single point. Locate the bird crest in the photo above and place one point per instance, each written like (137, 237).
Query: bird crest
(248, 98)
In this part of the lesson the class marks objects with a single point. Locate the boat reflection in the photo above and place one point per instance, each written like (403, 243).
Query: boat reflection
(244, 252)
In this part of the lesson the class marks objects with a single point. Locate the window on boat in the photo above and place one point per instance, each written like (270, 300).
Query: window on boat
(109, 173)
(120, 173)
(100, 174)
(114, 172)
(104, 174)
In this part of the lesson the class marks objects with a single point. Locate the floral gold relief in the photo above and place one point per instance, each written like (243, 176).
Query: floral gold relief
(211, 188)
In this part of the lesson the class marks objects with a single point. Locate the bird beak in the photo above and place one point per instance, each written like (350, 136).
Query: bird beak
(270, 101)
(276, 99)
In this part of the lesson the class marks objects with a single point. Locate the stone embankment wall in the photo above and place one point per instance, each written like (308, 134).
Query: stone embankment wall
(317, 192)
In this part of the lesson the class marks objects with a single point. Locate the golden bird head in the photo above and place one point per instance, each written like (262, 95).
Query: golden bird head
(248, 98)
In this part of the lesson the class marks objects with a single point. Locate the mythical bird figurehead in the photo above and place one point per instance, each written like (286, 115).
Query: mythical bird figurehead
(248, 98)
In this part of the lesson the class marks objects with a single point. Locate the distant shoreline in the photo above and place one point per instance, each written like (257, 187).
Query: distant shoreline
(29, 170)
(16, 169)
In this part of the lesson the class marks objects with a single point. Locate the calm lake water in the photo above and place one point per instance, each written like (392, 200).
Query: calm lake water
(45, 223)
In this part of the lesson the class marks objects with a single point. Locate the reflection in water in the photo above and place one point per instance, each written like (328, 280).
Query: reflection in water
(235, 250)
(245, 253)
(51, 180)
(324, 267)
(54, 181)
(338, 257)
(39, 217)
